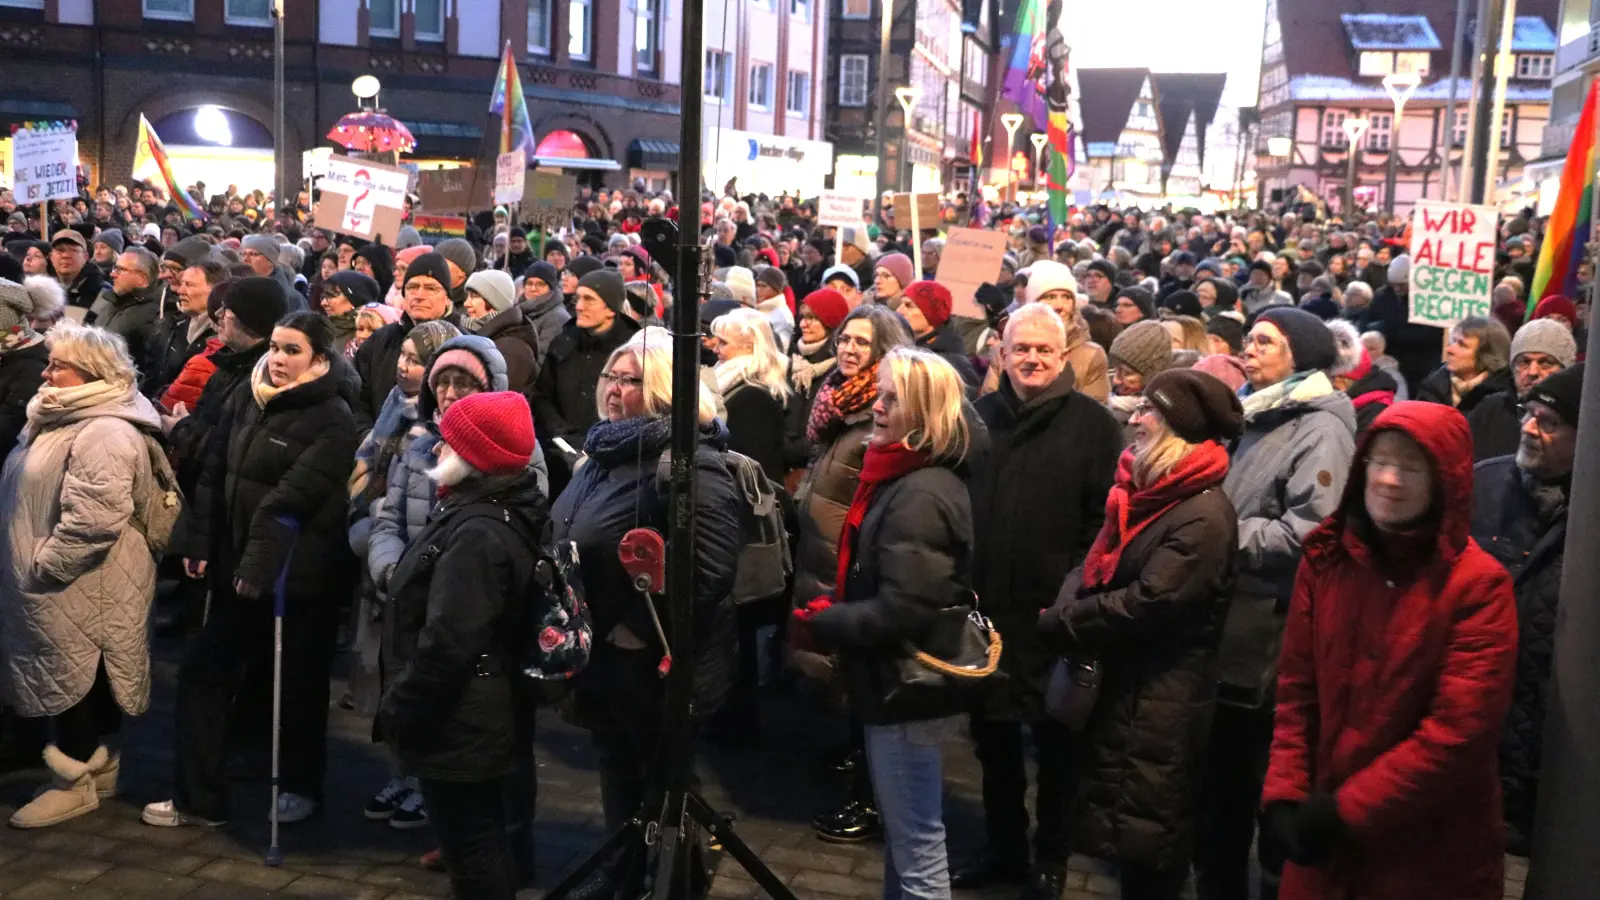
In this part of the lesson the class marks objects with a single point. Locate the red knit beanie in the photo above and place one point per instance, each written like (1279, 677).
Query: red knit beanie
(933, 299)
(828, 305)
(493, 431)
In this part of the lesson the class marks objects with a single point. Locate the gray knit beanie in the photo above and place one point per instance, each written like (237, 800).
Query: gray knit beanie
(458, 251)
(264, 244)
(1144, 347)
(1545, 336)
(111, 237)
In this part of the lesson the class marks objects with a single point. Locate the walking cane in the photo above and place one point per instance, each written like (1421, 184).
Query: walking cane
(279, 590)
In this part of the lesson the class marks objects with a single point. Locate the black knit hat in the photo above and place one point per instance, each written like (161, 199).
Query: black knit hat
(1182, 303)
(358, 287)
(433, 266)
(583, 265)
(1105, 268)
(1562, 392)
(1198, 407)
(607, 283)
(1310, 342)
(545, 273)
(1229, 329)
(258, 304)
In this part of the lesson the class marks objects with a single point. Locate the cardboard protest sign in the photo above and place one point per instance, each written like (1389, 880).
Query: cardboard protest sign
(549, 197)
(362, 198)
(1452, 262)
(508, 176)
(44, 165)
(837, 209)
(971, 257)
(927, 211)
(439, 228)
(446, 191)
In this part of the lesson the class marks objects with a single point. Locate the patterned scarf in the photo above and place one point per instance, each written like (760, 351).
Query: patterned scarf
(1129, 509)
(390, 435)
(611, 443)
(881, 465)
(839, 398)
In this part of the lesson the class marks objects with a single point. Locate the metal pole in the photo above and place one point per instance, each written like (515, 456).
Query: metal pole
(1350, 181)
(1394, 155)
(1502, 70)
(883, 107)
(1567, 823)
(1478, 134)
(280, 141)
(1450, 100)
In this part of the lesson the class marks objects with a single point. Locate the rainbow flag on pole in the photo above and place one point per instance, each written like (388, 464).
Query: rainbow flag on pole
(150, 161)
(1026, 69)
(1572, 220)
(508, 103)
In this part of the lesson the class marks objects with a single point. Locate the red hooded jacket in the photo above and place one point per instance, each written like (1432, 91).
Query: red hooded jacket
(1393, 690)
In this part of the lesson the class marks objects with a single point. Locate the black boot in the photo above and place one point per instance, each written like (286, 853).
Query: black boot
(856, 823)
(987, 872)
(1045, 885)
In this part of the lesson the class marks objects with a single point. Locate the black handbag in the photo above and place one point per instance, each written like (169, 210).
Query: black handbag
(1072, 692)
(919, 684)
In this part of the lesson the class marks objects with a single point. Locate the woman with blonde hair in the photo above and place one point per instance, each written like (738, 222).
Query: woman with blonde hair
(1187, 333)
(614, 489)
(1146, 609)
(904, 558)
(79, 576)
(751, 375)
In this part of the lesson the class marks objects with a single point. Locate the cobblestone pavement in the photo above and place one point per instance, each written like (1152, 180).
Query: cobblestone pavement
(773, 786)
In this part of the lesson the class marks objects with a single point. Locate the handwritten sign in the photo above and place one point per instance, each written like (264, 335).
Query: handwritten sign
(445, 191)
(434, 229)
(44, 165)
(508, 172)
(548, 197)
(837, 209)
(1452, 262)
(971, 257)
(368, 188)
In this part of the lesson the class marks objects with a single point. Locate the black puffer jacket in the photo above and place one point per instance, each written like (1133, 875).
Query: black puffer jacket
(912, 558)
(614, 493)
(21, 373)
(192, 436)
(453, 628)
(289, 458)
(517, 342)
(563, 397)
(1530, 541)
(1496, 424)
(134, 317)
(1154, 628)
(1436, 389)
(375, 363)
(168, 350)
(1038, 498)
(947, 343)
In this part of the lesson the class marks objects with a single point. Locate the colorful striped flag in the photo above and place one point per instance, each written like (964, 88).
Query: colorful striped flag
(150, 161)
(1572, 221)
(1026, 69)
(508, 103)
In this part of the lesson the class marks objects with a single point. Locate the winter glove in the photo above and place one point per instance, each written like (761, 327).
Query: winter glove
(1319, 828)
(1279, 819)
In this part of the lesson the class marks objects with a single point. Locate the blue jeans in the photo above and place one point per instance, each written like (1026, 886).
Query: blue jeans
(904, 762)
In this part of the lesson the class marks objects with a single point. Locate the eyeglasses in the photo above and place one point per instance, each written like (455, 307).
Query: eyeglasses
(626, 382)
(1547, 422)
(125, 270)
(846, 340)
(1141, 408)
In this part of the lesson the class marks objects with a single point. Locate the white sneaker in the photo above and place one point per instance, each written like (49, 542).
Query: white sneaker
(294, 808)
(411, 814)
(166, 815)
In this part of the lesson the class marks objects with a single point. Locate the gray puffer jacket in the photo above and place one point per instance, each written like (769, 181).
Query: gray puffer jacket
(77, 578)
(411, 494)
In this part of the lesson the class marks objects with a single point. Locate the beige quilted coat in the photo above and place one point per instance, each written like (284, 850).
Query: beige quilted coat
(76, 578)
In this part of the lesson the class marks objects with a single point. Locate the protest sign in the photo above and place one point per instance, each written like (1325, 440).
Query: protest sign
(927, 211)
(509, 169)
(44, 164)
(434, 229)
(836, 209)
(1452, 262)
(971, 257)
(362, 198)
(549, 197)
(446, 191)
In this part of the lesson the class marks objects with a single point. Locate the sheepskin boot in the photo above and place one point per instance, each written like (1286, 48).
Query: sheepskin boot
(72, 794)
(105, 777)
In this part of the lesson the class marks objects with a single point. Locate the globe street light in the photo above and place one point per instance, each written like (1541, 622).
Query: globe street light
(365, 87)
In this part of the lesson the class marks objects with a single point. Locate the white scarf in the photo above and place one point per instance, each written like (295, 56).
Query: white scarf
(802, 371)
(51, 406)
(730, 373)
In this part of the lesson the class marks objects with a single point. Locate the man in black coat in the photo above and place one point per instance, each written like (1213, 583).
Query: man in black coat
(1038, 500)
(1540, 349)
(183, 329)
(1519, 515)
(564, 396)
(427, 297)
(1415, 347)
(131, 305)
(926, 308)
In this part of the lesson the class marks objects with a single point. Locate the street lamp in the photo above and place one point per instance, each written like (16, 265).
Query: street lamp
(1400, 85)
(280, 142)
(908, 98)
(1012, 121)
(1038, 156)
(1354, 128)
(365, 87)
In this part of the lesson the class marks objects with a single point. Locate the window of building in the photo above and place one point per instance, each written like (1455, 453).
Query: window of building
(761, 86)
(800, 9)
(646, 33)
(977, 63)
(1505, 129)
(248, 12)
(1458, 129)
(430, 19)
(857, 9)
(1535, 65)
(538, 26)
(1333, 128)
(1411, 63)
(853, 79)
(383, 18)
(797, 97)
(719, 76)
(179, 10)
(1376, 63)
(1379, 127)
(580, 22)
(26, 4)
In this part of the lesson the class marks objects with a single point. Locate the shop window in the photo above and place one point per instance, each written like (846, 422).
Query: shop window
(177, 10)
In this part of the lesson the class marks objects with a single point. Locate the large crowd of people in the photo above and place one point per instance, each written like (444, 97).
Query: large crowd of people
(1276, 569)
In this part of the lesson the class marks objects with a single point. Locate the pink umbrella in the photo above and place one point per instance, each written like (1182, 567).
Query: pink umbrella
(372, 132)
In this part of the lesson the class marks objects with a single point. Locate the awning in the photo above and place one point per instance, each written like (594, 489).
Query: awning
(13, 111)
(445, 139)
(587, 165)
(647, 153)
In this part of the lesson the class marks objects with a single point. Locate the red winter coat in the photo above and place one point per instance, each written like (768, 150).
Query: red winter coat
(192, 378)
(1393, 690)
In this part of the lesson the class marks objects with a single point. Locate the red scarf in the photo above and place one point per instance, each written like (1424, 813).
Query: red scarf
(882, 464)
(1128, 510)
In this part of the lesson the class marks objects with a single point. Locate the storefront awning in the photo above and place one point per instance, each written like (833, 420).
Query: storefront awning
(567, 162)
(647, 153)
(445, 139)
(13, 111)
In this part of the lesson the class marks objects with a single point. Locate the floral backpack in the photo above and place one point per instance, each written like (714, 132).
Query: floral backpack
(560, 635)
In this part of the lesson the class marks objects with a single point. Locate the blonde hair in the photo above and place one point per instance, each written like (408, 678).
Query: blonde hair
(1154, 460)
(930, 394)
(1192, 333)
(652, 349)
(770, 369)
(369, 318)
(96, 352)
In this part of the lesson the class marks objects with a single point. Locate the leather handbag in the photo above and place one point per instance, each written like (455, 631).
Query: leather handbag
(919, 684)
(1072, 692)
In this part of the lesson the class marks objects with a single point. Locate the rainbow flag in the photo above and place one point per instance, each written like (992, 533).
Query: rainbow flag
(1572, 221)
(508, 103)
(1026, 67)
(150, 161)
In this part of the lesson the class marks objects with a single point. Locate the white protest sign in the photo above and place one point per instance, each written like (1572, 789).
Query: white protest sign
(368, 188)
(1452, 262)
(837, 210)
(508, 172)
(44, 165)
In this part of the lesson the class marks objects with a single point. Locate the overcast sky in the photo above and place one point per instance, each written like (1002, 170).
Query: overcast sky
(1171, 36)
